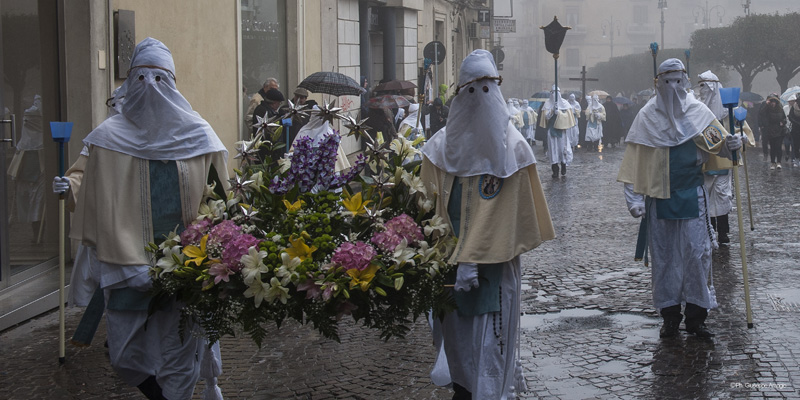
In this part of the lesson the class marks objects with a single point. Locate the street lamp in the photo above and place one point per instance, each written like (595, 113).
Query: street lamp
(746, 6)
(609, 25)
(662, 5)
(706, 13)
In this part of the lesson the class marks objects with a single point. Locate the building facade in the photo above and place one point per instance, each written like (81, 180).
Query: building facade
(62, 59)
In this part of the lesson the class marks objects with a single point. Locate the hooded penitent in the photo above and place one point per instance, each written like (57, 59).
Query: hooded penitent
(478, 114)
(155, 121)
(709, 94)
(674, 115)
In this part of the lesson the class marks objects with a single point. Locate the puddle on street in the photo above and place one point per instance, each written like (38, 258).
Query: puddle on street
(637, 327)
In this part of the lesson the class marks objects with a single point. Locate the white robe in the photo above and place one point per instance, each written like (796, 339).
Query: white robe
(720, 196)
(681, 258)
(471, 346)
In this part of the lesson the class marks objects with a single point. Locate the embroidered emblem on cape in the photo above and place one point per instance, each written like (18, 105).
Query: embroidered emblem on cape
(712, 135)
(490, 186)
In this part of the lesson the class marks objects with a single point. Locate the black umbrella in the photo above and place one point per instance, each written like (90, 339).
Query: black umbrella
(395, 85)
(332, 83)
(622, 100)
(544, 94)
(750, 96)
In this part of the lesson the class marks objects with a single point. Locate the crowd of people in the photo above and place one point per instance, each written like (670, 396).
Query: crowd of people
(478, 161)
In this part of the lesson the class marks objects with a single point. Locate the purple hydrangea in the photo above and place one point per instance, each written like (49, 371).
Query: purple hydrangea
(224, 232)
(398, 228)
(235, 249)
(354, 255)
(195, 232)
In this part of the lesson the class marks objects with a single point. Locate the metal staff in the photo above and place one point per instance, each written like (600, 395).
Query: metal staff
(730, 98)
(740, 114)
(61, 132)
(654, 52)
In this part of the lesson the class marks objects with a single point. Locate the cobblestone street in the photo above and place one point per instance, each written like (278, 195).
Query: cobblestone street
(588, 330)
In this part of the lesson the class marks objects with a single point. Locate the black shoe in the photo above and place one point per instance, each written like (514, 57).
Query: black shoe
(724, 239)
(554, 167)
(563, 169)
(669, 329)
(700, 331)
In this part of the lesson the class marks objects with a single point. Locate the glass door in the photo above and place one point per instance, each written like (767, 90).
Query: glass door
(29, 96)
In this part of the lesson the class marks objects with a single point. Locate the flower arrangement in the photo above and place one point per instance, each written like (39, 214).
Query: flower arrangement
(293, 239)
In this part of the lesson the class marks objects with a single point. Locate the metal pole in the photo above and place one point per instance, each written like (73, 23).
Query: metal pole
(742, 244)
(61, 261)
(746, 177)
(612, 36)
(436, 66)
(555, 59)
(662, 27)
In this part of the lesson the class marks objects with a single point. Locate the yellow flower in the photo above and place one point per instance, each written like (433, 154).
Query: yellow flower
(299, 248)
(362, 278)
(294, 207)
(355, 204)
(196, 254)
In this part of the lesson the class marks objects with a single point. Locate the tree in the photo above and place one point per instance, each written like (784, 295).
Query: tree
(781, 48)
(634, 72)
(737, 46)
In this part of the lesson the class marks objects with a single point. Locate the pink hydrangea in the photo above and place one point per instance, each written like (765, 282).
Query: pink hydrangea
(234, 250)
(398, 228)
(224, 232)
(354, 255)
(195, 232)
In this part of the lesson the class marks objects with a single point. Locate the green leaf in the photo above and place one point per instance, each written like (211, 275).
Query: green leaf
(379, 291)
(398, 283)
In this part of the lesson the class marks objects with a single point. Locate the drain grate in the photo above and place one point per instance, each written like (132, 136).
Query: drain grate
(780, 304)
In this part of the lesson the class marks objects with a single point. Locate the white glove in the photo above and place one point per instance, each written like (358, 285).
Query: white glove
(466, 276)
(60, 184)
(637, 210)
(734, 142)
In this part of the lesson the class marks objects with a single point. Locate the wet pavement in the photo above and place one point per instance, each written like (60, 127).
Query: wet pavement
(588, 330)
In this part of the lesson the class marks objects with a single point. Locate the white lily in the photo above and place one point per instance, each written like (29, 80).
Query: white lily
(258, 180)
(404, 254)
(413, 182)
(436, 224)
(287, 271)
(253, 265)
(276, 291)
(172, 259)
(258, 290)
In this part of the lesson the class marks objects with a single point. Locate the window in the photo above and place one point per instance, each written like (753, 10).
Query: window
(263, 43)
(640, 14)
(573, 15)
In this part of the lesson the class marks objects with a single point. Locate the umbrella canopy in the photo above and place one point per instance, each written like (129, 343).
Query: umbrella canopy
(388, 101)
(395, 85)
(622, 100)
(751, 97)
(544, 95)
(647, 93)
(332, 83)
(599, 93)
(789, 92)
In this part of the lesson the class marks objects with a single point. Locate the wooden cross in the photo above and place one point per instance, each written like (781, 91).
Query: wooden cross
(583, 80)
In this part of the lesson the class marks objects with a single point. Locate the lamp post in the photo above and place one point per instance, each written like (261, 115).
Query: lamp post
(554, 35)
(746, 6)
(706, 13)
(609, 25)
(662, 5)
(687, 53)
